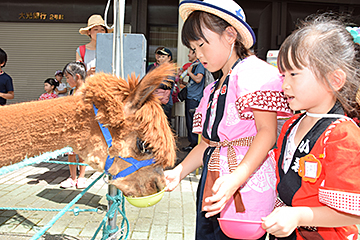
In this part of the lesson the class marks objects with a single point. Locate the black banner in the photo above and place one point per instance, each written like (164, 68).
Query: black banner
(55, 12)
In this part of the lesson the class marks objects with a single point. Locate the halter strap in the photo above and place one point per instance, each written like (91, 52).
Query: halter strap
(104, 130)
(135, 164)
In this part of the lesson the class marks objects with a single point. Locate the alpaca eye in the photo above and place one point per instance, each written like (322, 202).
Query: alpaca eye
(142, 146)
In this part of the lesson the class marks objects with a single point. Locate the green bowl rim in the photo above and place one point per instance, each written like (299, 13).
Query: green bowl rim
(150, 196)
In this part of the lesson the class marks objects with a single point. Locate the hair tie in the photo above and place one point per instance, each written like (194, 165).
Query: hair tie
(355, 33)
(55, 80)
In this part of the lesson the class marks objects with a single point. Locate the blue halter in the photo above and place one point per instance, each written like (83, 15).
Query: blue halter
(135, 164)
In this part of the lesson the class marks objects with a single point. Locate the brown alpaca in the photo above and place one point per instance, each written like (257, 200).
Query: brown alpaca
(127, 108)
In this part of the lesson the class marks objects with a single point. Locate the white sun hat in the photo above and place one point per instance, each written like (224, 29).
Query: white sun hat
(228, 10)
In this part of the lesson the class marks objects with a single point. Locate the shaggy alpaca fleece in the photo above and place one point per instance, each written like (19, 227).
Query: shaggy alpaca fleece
(127, 108)
(32, 128)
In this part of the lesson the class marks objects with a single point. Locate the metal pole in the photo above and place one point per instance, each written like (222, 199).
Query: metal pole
(112, 190)
(118, 70)
(118, 43)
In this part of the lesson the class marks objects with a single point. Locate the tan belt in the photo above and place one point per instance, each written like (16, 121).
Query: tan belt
(214, 167)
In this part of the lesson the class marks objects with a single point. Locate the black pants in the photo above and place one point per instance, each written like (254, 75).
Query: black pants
(190, 107)
(167, 110)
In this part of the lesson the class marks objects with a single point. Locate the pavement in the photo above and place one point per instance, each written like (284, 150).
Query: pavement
(37, 187)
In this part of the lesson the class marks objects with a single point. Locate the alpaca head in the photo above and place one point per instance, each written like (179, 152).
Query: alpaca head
(138, 126)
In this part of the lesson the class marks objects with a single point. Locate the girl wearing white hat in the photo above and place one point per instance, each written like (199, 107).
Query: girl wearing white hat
(86, 53)
(237, 118)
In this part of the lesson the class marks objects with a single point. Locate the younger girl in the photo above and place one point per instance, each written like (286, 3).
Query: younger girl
(237, 118)
(50, 85)
(61, 90)
(75, 73)
(318, 151)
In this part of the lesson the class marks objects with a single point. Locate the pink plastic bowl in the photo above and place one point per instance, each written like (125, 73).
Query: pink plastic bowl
(241, 229)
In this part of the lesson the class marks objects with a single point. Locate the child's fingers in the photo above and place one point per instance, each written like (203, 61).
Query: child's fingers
(267, 222)
(277, 231)
(214, 198)
(216, 185)
(214, 204)
(212, 213)
(221, 194)
(215, 208)
(271, 219)
(277, 224)
(170, 180)
(270, 226)
(217, 194)
(218, 190)
(170, 186)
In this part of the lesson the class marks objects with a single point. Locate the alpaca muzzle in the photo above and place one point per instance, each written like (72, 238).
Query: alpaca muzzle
(135, 164)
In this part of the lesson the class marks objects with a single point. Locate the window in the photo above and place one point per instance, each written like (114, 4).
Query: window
(162, 36)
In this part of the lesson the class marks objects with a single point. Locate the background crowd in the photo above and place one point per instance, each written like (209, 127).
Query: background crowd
(236, 117)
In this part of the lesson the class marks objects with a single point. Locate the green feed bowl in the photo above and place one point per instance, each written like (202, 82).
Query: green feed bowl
(148, 201)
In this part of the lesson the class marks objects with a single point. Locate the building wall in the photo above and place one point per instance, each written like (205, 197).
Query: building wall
(40, 39)
(51, 28)
(35, 51)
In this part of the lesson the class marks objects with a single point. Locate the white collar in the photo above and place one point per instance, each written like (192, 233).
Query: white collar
(320, 115)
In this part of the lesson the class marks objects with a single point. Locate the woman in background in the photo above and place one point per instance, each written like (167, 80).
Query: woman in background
(86, 53)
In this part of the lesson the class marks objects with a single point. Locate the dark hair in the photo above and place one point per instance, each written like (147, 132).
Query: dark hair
(3, 57)
(197, 20)
(74, 68)
(59, 72)
(323, 44)
(52, 82)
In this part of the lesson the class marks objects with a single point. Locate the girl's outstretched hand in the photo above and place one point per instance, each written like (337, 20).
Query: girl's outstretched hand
(223, 189)
(172, 178)
(282, 221)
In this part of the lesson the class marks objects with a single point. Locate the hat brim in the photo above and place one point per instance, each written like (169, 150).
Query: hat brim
(162, 52)
(85, 30)
(186, 7)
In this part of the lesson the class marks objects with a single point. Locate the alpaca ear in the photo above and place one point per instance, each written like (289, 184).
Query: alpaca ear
(148, 84)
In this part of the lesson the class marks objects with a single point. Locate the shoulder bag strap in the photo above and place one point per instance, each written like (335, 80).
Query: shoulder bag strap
(82, 49)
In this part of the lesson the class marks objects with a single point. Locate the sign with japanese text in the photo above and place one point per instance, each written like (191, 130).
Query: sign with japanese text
(41, 16)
